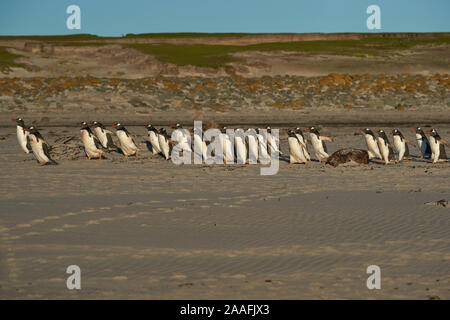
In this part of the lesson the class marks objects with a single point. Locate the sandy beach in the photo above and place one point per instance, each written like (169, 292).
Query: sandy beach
(144, 228)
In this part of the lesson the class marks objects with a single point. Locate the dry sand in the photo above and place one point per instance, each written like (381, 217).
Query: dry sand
(146, 228)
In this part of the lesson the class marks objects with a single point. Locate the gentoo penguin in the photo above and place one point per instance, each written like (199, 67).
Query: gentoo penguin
(273, 143)
(227, 146)
(240, 146)
(318, 143)
(103, 135)
(22, 135)
(41, 149)
(384, 146)
(164, 143)
(126, 140)
(182, 138)
(422, 143)
(302, 140)
(295, 148)
(200, 143)
(400, 145)
(91, 144)
(372, 145)
(152, 133)
(264, 156)
(437, 146)
(252, 142)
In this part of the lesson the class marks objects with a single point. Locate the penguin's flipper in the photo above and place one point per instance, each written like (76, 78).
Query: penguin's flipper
(29, 144)
(45, 148)
(444, 142)
(406, 150)
(110, 142)
(324, 146)
(325, 138)
(428, 148)
(97, 142)
(391, 153)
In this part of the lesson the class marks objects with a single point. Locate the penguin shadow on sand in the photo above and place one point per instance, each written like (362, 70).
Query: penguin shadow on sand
(119, 151)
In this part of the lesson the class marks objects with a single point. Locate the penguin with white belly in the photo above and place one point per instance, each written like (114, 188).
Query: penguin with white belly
(296, 154)
(227, 146)
(422, 143)
(182, 138)
(318, 143)
(303, 141)
(273, 142)
(22, 135)
(103, 135)
(152, 134)
(371, 141)
(437, 147)
(263, 156)
(127, 142)
(92, 146)
(252, 143)
(165, 143)
(400, 145)
(385, 147)
(240, 146)
(200, 143)
(41, 150)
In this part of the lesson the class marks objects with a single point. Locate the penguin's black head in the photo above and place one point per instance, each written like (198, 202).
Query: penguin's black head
(84, 125)
(433, 132)
(396, 132)
(19, 122)
(33, 130)
(314, 130)
(291, 132)
(198, 130)
(269, 129)
(150, 127)
(367, 131)
(419, 131)
(162, 131)
(118, 126)
(96, 124)
(224, 130)
(382, 133)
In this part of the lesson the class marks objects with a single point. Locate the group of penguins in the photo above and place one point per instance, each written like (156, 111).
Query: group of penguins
(243, 147)
(380, 147)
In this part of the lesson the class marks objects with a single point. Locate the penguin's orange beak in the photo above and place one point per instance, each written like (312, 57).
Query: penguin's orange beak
(414, 128)
(172, 126)
(113, 126)
(90, 123)
(14, 120)
(427, 131)
(144, 126)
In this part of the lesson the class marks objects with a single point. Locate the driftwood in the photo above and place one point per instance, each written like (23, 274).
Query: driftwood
(348, 155)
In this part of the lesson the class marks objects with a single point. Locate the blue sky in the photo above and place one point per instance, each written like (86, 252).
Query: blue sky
(114, 18)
